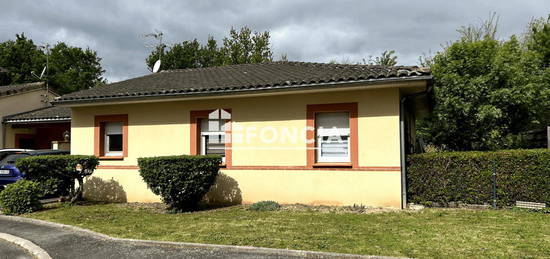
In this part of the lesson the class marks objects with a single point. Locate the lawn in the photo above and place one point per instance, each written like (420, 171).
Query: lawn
(425, 233)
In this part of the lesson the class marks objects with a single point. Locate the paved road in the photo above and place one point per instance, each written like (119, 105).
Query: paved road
(10, 251)
(67, 243)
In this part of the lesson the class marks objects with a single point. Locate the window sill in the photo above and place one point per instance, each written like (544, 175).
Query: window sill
(111, 158)
(347, 165)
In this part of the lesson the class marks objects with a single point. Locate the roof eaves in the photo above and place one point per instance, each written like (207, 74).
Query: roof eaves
(37, 120)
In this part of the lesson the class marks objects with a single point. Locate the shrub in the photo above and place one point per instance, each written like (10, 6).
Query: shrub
(20, 197)
(265, 206)
(467, 177)
(56, 174)
(181, 181)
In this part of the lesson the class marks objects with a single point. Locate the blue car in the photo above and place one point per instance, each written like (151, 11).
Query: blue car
(10, 174)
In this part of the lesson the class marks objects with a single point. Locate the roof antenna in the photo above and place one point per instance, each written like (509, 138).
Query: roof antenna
(160, 46)
(45, 70)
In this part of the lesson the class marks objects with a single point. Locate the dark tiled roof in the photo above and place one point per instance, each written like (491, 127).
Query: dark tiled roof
(245, 77)
(47, 114)
(13, 89)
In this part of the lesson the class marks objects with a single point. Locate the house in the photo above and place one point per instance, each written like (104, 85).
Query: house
(18, 104)
(292, 132)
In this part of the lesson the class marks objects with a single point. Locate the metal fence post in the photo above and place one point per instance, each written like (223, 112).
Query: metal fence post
(494, 185)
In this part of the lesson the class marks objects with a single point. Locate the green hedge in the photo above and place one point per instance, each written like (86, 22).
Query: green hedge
(20, 197)
(56, 174)
(466, 177)
(181, 181)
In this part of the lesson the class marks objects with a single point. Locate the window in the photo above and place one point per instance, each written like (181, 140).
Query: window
(212, 137)
(333, 137)
(113, 139)
(211, 133)
(111, 136)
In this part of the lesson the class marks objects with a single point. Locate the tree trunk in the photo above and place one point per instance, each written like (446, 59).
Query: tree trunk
(78, 195)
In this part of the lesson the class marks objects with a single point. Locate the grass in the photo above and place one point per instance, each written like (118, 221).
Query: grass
(427, 233)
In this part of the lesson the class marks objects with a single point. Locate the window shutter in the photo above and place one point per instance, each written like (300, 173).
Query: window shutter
(332, 124)
(113, 128)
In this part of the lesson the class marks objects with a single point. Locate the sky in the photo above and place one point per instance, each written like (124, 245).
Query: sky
(304, 30)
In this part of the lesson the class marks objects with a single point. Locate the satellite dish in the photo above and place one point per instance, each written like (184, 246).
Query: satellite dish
(156, 67)
(43, 71)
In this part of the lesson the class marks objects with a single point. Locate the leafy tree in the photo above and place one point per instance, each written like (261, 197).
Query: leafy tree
(387, 58)
(487, 91)
(70, 68)
(240, 47)
(73, 68)
(244, 47)
(20, 57)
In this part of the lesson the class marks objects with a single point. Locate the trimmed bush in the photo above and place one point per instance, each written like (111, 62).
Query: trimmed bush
(181, 181)
(265, 206)
(56, 174)
(522, 175)
(20, 197)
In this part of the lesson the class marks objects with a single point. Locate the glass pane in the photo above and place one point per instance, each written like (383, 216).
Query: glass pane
(115, 143)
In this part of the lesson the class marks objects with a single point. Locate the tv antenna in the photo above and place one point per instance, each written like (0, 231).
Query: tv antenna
(45, 70)
(158, 35)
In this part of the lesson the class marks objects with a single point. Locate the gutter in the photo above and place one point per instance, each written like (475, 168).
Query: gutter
(222, 92)
(37, 120)
(402, 135)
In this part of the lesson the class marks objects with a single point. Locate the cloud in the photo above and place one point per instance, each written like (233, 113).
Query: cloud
(314, 30)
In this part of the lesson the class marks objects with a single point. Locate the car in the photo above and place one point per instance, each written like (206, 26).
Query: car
(9, 151)
(10, 174)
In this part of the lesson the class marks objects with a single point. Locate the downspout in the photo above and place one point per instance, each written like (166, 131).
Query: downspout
(402, 134)
(3, 130)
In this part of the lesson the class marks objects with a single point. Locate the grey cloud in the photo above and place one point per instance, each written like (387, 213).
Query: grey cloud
(304, 30)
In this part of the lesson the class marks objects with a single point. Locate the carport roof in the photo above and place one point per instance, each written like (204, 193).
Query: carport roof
(47, 114)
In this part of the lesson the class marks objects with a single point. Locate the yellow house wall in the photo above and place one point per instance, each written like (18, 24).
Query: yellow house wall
(162, 128)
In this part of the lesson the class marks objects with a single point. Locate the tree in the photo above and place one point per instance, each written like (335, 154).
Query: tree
(486, 91)
(20, 57)
(387, 58)
(70, 68)
(240, 47)
(73, 69)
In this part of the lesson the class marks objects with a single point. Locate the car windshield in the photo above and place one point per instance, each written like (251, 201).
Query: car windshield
(12, 158)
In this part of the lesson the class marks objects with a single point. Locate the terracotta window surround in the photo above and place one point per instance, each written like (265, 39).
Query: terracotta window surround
(312, 110)
(99, 132)
(194, 118)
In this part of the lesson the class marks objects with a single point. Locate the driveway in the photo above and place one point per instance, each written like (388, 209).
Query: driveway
(9, 250)
(69, 242)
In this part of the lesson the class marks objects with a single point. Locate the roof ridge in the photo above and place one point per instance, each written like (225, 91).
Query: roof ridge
(25, 84)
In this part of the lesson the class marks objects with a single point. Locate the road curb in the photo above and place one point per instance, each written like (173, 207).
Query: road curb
(33, 249)
(245, 249)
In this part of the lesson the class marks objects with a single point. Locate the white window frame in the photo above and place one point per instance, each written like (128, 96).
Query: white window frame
(106, 150)
(334, 134)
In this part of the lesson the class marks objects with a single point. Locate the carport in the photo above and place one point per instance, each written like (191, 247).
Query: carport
(45, 128)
